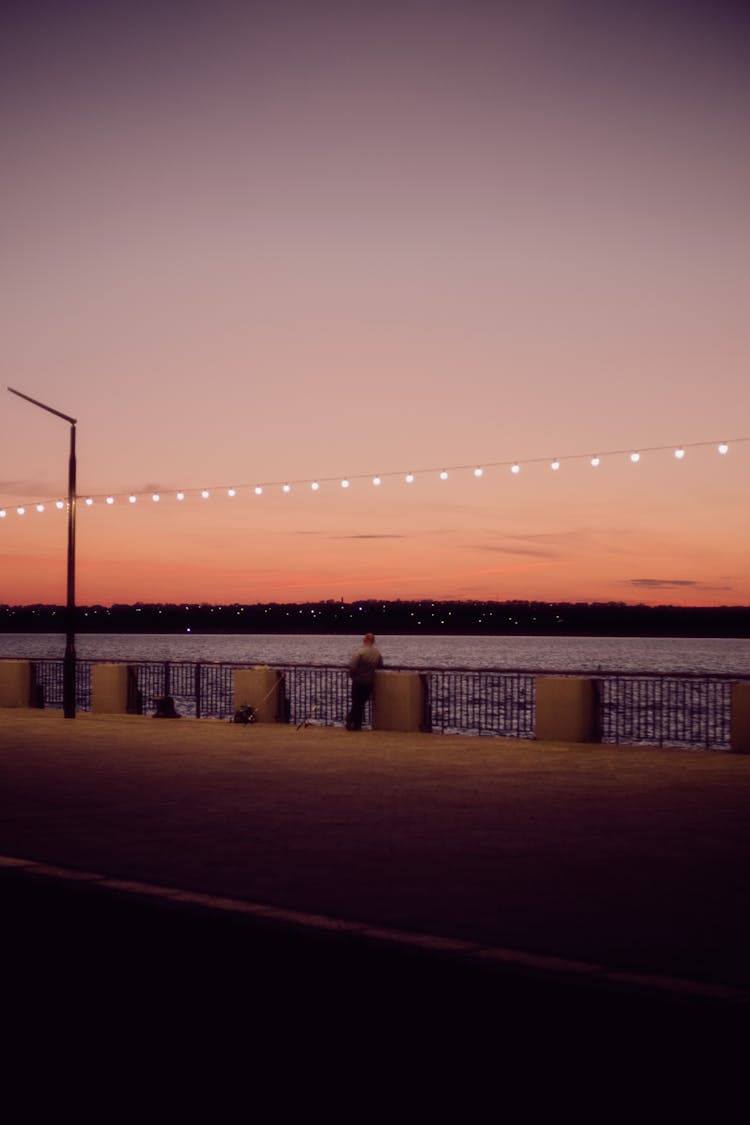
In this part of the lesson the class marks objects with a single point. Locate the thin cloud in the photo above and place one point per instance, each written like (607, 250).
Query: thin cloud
(671, 584)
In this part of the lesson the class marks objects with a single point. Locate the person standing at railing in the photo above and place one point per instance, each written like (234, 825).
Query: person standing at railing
(362, 668)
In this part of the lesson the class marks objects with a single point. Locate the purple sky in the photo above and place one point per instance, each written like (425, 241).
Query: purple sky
(258, 242)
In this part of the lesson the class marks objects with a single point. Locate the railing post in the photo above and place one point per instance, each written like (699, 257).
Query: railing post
(198, 690)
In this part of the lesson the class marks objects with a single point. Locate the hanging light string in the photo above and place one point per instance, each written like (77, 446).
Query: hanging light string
(633, 454)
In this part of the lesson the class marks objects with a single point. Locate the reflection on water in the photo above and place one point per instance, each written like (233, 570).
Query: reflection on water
(562, 654)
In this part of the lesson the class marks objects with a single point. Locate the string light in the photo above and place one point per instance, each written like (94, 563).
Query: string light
(634, 455)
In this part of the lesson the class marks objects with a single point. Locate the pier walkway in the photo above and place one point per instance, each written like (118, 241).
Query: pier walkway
(591, 870)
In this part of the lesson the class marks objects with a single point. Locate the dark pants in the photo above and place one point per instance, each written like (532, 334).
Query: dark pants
(360, 694)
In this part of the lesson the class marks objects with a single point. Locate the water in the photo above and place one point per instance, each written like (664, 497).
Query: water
(555, 654)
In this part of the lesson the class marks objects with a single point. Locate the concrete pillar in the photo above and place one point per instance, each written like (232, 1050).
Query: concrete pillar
(400, 701)
(566, 709)
(113, 689)
(16, 680)
(261, 688)
(739, 737)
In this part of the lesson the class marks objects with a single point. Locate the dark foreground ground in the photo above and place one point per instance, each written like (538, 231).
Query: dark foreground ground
(584, 913)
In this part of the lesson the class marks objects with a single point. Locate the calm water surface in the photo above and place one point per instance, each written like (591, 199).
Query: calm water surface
(561, 654)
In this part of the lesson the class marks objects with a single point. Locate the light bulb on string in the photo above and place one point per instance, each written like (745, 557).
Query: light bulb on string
(89, 501)
(3, 513)
(258, 490)
(635, 458)
(231, 492)
(555, 465)
(315, 486)
(723, 448)
(205, 494)
(286, 488)
(180, 495)
(156, 498)
(478, 472)
(59, 504)
(21, 511)
(40, 507)
(376, 481)
(515, 468)
(345, 483)
(443, 475)
(409, 478)
(595, 461)
(679, 453)
(110, 499)
(132, 499)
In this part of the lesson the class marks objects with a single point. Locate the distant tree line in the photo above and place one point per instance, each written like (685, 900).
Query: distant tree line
(423, 616)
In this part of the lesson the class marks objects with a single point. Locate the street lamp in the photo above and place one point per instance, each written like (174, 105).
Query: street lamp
(69, 660)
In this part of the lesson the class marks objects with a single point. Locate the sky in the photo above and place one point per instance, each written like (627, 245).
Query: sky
(250, 244)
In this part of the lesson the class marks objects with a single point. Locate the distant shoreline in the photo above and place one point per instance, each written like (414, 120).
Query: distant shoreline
(407, 618)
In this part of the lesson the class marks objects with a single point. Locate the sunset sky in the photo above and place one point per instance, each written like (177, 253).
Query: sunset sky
(251, 243)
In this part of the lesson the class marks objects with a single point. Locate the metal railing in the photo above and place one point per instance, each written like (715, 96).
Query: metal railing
(633, 709)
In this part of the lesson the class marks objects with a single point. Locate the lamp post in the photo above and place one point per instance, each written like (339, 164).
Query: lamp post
(69, 660)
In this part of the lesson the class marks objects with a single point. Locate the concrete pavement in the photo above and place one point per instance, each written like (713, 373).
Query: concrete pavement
(626, 863)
